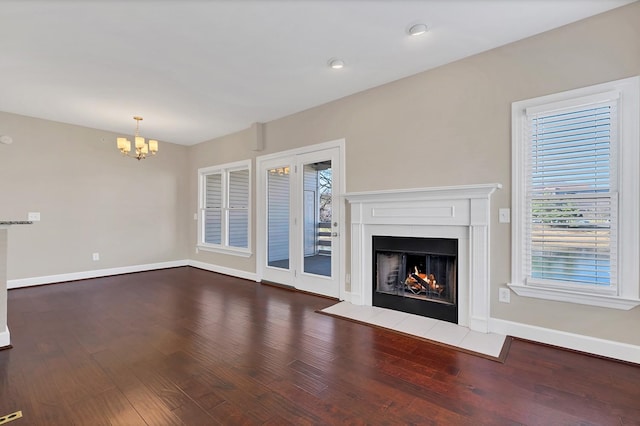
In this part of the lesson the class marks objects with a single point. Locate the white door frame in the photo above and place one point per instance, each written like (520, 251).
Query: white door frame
(261, 197)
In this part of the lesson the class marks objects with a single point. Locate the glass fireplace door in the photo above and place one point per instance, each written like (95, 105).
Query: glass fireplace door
(416, 275)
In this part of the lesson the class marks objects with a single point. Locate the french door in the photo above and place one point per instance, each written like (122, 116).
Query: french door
(299, 219)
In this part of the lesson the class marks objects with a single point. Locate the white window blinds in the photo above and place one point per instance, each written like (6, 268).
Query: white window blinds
(239, 208)
(571, 199)
(213, 209)
(225, 208)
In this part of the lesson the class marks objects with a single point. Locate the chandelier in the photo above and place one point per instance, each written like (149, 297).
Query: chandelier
(142, 148)
(280, 171)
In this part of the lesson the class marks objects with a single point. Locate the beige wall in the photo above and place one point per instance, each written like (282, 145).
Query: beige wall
(447, 126)
(90, 200)
(223, 150)
(451, 126)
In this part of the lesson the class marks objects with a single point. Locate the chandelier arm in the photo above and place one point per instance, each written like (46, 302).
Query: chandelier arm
(140, 152)
(137, 157)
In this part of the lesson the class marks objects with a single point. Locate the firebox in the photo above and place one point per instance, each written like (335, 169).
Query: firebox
(416, 275)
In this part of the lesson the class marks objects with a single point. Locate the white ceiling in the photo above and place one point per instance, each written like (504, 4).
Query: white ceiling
(197, 69)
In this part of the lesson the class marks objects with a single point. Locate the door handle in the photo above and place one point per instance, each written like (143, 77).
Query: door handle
(334, 234)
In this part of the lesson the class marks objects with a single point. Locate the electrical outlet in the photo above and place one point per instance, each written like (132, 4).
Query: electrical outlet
(504, 295)
(96, 256)
(504, 215)
(33, 216)
(195, 216)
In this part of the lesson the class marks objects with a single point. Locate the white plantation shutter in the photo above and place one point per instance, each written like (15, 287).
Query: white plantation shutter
(571, 193)
(238, 208)
(225, 220)
(213, 209)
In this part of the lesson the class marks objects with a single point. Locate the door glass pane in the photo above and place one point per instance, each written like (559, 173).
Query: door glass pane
(278, 217)
(317, 200)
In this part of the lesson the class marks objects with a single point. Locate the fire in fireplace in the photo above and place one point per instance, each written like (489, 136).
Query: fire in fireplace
(416, 275)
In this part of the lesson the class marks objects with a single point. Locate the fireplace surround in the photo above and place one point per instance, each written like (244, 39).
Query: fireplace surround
(460, 213)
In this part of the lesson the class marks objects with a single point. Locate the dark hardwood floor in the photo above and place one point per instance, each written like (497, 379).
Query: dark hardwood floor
(186, 346)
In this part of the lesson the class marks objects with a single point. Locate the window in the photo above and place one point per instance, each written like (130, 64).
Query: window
(224, 222)
(575, 195)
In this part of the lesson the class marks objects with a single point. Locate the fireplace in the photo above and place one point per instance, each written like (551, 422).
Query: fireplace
(416, 275)
(459, 213)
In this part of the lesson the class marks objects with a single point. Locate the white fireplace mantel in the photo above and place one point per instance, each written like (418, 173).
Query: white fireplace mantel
(461, 212)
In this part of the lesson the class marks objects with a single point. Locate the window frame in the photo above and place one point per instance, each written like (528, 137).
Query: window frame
(625, 295)
(224, 170)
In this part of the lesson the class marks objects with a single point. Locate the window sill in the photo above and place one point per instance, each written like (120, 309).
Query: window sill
(575, 297)
(226, 250)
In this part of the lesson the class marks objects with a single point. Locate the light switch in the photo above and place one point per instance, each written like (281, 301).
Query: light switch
(504, 215)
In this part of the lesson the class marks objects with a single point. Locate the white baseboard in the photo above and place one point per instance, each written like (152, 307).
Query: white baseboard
(345, 296)
(480, 325)
(224, 270)
(5, 338)
(577, 342)
(50, 279)
(356, 299)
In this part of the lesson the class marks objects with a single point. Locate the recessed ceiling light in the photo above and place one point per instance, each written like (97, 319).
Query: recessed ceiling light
(336, 64)
(417, 29)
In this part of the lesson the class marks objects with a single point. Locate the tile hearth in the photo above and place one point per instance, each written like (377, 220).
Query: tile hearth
(485, 344)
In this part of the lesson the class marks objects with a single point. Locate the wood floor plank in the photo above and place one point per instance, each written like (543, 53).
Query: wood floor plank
(107, 408)
(187, 346)
(146, 402)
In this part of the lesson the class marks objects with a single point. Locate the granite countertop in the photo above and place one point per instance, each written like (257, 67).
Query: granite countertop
(15, 222)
